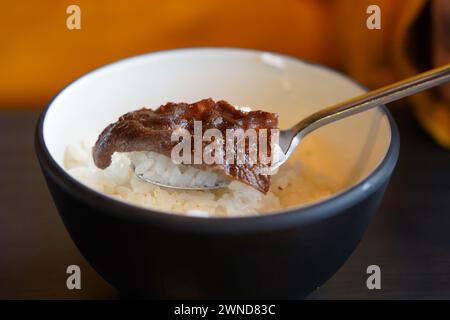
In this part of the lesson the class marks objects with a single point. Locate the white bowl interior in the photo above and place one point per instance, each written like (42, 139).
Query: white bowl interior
(264, 81)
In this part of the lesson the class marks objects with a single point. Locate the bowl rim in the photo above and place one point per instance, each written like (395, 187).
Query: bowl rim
(279, 219)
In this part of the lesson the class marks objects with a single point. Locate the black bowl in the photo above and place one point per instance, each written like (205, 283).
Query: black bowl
(146, 253)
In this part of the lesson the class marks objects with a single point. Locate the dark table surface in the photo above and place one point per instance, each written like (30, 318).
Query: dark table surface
(409, 237)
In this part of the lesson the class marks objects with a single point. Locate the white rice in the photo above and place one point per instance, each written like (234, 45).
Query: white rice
(292, 185)
(159, 168)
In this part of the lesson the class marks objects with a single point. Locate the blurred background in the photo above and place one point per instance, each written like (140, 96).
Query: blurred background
(39, 55)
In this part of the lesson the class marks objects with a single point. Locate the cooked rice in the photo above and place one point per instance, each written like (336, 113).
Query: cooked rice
(156, 167)
(292, 185)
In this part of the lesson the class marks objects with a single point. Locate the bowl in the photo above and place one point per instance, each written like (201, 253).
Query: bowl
(148, 253)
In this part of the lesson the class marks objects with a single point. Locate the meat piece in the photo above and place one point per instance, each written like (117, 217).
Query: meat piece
(151, 130)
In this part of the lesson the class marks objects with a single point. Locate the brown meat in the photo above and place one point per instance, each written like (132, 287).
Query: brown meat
(151, 130)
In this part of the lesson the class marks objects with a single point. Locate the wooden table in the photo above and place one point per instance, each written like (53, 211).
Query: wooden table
(409, 237)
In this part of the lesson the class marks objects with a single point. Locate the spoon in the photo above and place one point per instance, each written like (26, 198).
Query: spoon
(289, 139)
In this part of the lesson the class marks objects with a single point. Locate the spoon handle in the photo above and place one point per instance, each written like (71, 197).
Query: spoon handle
(372, 99)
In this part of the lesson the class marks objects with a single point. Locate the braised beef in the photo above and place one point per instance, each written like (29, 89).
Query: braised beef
(151, 130)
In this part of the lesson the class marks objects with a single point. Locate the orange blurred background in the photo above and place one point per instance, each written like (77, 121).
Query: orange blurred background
(39, 55)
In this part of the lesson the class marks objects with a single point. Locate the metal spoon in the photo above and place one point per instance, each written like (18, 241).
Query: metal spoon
(289, 139)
